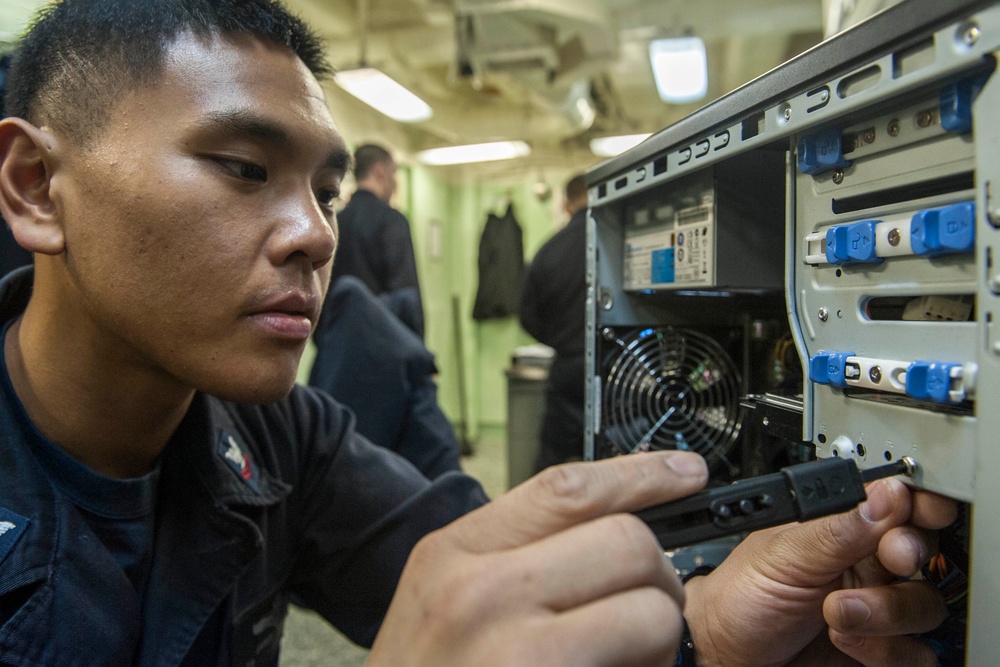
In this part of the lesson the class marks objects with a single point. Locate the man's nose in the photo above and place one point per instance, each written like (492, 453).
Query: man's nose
(305, 234)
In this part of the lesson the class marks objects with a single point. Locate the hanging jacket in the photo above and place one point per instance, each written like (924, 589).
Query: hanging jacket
(501, 267)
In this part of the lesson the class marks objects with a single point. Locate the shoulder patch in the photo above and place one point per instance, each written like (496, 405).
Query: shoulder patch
(12, 526)
(238, 459)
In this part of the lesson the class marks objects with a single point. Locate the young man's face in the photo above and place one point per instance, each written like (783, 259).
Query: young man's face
(199, 226)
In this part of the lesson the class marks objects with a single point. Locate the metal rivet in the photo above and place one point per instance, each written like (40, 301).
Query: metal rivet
(894, 237)
(823, 314)
(838, 176)
(893, 127)
(875, 374)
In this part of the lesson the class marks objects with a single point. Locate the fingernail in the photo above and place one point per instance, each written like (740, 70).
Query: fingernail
(850, 640)
(879, 503)
(854, 612)
(686, 464)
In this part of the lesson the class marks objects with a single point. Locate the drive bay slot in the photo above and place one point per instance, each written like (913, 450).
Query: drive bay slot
(911, 191)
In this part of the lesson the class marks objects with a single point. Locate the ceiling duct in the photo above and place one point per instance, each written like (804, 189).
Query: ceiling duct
(550, 46)
(545, 39)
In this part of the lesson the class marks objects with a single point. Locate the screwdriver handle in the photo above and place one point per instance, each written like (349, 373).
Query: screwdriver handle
(795, 493)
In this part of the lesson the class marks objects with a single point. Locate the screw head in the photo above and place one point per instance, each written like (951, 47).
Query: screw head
(607, 301)
(868, 136)
(838, 176)
(971, 35)
(824, 314)
(894, 237)
(893, 127)
(875, 374)
(787, 113)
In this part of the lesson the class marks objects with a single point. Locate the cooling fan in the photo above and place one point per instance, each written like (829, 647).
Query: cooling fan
(670, 388)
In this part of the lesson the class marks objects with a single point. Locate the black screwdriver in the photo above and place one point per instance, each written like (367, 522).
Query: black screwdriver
(795, 493)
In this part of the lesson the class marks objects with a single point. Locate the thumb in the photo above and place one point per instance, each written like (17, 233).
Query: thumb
(817, 552)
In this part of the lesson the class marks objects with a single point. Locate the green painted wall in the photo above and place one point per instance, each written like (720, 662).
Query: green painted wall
(456, 215)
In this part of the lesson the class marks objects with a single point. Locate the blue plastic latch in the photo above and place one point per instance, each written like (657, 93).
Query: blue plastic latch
(852, 244)
(956, 103)
(821, 152)
(827, 367)
(945, 230)
(930, 381)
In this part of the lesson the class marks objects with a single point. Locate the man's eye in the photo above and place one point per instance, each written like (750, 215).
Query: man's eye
(327, 197)
(245, 170)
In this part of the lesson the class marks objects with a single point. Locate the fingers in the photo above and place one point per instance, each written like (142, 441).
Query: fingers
(596, 559)
(566, 495)
(885, 651)
(817, 552)
(908, 607)
(638, 628)
(871, 624)
(905, 549)
(933, 511)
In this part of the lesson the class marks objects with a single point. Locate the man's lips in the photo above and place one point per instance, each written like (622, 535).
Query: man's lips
(288, 315)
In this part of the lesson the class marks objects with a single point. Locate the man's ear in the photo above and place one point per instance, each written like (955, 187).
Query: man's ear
(27, 162)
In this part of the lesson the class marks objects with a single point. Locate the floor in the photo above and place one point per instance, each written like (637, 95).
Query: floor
(310, 642)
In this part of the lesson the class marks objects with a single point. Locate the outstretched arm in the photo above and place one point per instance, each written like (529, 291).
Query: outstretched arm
(556, 572)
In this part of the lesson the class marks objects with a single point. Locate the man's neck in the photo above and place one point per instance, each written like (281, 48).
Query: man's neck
(107, 415)
(370, 185)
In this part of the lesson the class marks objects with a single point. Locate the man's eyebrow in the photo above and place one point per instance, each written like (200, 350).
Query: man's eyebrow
(246, 123)
(239, 122)
(339, 160)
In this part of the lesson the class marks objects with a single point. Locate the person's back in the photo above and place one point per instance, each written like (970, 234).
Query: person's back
(374, 241)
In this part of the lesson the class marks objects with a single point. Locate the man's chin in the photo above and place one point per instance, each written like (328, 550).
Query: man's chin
(256, 391)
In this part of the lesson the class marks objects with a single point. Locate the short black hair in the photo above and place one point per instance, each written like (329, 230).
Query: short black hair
(576, 188)
(78, 56)
(367, 156)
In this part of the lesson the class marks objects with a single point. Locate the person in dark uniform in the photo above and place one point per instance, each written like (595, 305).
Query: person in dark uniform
(553, 307)
(374, 242)
(166, 487)
(385, 375)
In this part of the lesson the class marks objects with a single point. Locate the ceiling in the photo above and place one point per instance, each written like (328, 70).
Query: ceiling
(517, 69)
(523, 69)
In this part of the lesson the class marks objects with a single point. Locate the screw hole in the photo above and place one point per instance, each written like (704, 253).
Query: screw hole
(888, 455)
(822, 438)
(839, 273)
(861, 449)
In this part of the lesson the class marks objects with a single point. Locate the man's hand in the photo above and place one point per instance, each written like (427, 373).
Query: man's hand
(553, 573)
(798, 593)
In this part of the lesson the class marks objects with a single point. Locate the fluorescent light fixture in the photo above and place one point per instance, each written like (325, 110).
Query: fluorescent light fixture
(611, 146)
(384, 94)
(488, 152)
(680, 68)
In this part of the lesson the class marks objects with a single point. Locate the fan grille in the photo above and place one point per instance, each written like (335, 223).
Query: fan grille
(670, 388)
